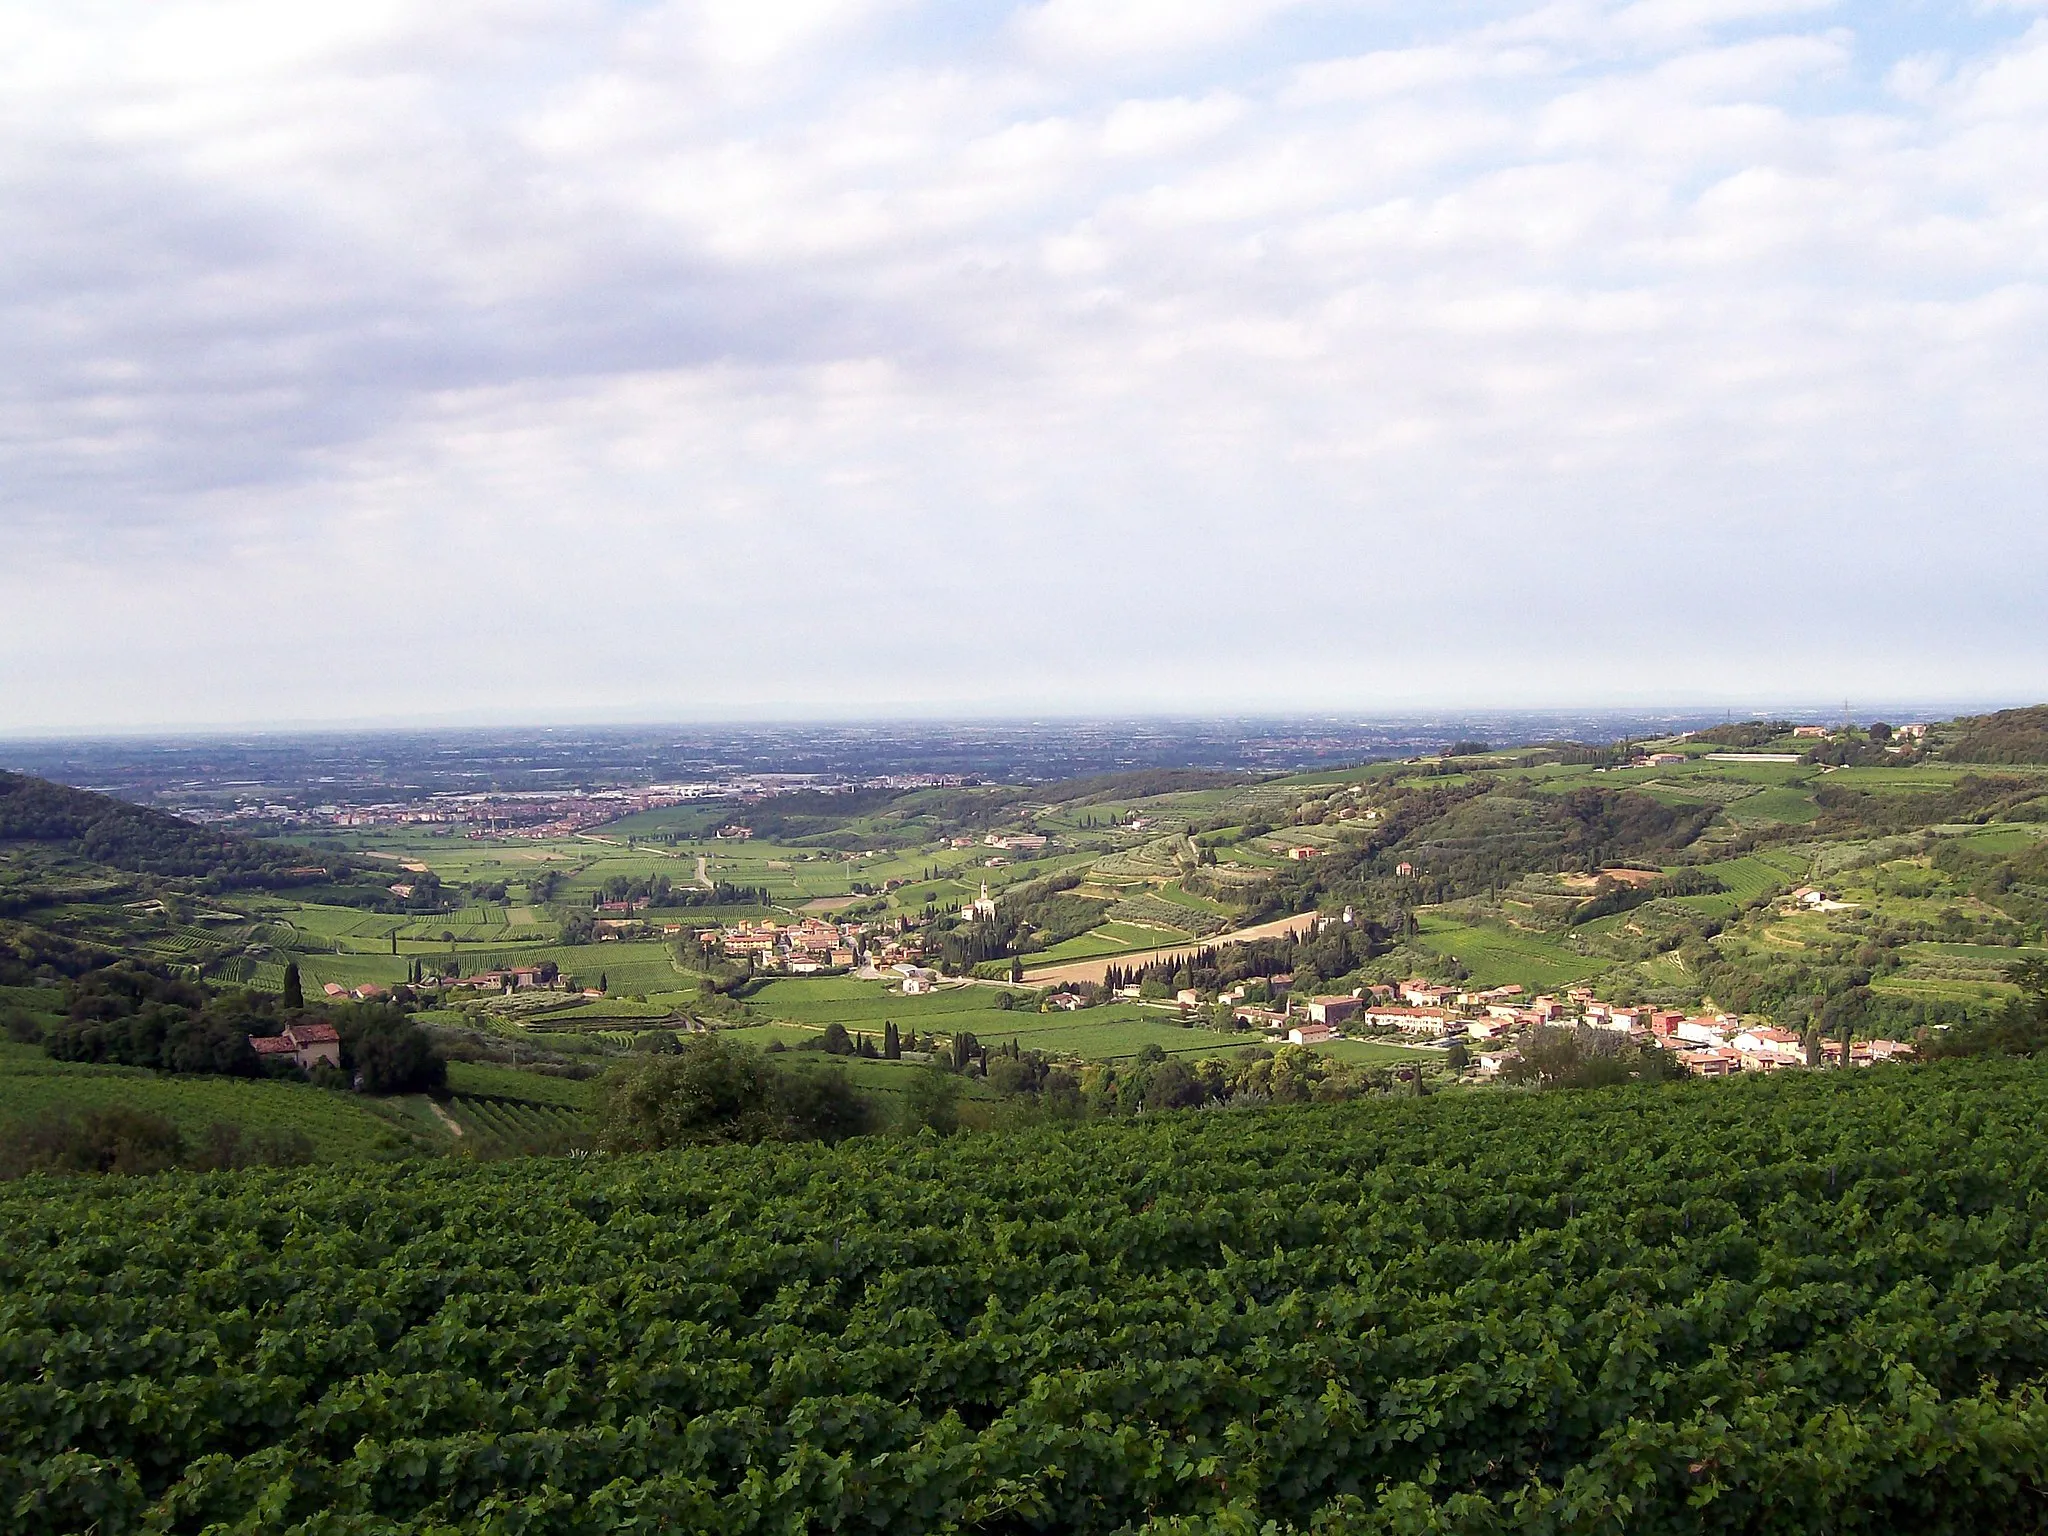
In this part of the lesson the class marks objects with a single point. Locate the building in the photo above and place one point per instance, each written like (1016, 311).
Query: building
(1304, 852)
(1777, 1045)
(1414, 1021)
(1187, 997)
(1715, 1061)
(1425, 994)
(1066, 1002)
(1331, 1010)
(1809, 730)
(1311, 1034)
(983, 907)
(306, 1045)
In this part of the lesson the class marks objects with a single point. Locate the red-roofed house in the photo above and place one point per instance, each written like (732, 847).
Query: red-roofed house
(306, 1044)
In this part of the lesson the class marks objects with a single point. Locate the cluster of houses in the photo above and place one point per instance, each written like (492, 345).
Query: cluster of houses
(807, 945)
(1707, 1045)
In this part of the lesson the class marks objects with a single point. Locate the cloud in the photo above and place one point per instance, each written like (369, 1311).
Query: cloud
(532, 359)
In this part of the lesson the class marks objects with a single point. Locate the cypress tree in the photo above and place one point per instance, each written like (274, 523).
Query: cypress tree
(294, 994)
(892, 1042)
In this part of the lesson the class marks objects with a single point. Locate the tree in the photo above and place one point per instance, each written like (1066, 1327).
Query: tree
(389, 1053)
(892, 1042)
(820, 1106)
(294, 992)
(836, 1041)
(932, 1102)
(604, 981)
(710, 1091)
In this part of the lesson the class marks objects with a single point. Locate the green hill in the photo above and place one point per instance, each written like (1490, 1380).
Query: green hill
(2009, 736)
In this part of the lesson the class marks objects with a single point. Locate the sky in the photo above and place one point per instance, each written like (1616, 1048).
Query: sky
(507, 360)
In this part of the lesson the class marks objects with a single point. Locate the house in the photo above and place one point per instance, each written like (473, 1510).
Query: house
(1260, 1018)
(1187, 997)
(1809, 730)
(1779, 1045)
(335, 989)
(1484, 1029)
(1414, 1021)
(1546, 1009)
(917, 981)
(1425, 994)
(1490, 1062)
(1715, 1061)
(1311, 1034)
(1331, 1010)
(1066, 1002)
(1666, 759)
(1298, 854)
(1404, 870)
(1701, 1031)
(368, 992)
(307, 1045)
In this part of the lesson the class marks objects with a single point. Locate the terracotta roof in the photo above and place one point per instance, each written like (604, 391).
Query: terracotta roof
(313, 1034)
(271, 1045)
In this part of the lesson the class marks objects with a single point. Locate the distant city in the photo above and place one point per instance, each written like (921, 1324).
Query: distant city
(552, 780)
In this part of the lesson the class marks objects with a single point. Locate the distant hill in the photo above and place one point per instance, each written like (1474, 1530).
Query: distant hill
(2009, 736)
(137, 840)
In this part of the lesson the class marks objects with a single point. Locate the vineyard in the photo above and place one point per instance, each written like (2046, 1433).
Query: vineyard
(1810, 1302)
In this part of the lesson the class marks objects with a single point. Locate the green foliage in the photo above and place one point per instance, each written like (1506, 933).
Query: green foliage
(121, 1140)
(2009, 736)
(2021, 1029)
(713, 1092)
(1746, 735)
(1804, 1303)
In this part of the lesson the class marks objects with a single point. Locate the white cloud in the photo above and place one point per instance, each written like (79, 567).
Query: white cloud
(1204, 354)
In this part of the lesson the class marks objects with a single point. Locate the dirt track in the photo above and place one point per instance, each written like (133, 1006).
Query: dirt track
(1094, 970)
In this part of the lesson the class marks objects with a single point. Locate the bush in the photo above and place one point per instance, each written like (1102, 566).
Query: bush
(132, 1141)
(932, 1102)
(712, 1091)
(388, 1053)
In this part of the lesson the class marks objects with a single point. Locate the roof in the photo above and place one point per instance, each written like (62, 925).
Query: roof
(271, 1045)
(314, 1034)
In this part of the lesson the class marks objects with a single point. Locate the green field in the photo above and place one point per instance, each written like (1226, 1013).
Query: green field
(1785, 805)
(1496, 956)
(341, 1126)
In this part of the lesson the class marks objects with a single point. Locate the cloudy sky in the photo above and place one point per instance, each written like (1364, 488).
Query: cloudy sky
(504, 359)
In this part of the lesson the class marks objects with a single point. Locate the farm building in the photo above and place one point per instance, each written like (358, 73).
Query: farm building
(305, 1044)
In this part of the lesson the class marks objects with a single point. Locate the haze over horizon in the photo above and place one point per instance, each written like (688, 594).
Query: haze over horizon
(495, 361)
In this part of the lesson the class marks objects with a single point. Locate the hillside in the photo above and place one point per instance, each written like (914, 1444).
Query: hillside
(2009, 736)
(1726, 1307)
(134, 839)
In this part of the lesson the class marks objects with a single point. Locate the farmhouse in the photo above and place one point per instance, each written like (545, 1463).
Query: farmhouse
(1414, 1021)
(1331, 1010)
(1311, 1034)
(1715, 1061)
(305, 1044)
(1304, 852)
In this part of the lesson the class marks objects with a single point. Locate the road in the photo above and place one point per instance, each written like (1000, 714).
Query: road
(703, 872)
(1095, 969)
